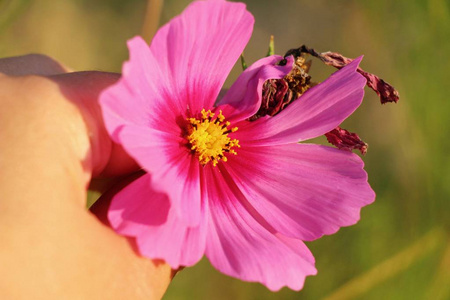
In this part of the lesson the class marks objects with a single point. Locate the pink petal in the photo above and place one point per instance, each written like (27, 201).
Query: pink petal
(174, 169)
(184, 69)
(302, 190)
(143, 213)
(239, 246)
(198, 49)
(243, 99)
(139, 97)
(318, 111)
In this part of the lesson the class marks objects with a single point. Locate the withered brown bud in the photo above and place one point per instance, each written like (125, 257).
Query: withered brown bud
(278, 93)
(345, 140)
(384, 90)
(275, 95)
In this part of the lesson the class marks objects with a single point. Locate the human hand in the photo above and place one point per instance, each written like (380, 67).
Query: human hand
(53, 145)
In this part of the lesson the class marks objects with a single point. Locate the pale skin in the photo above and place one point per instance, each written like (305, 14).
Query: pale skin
(53, 146)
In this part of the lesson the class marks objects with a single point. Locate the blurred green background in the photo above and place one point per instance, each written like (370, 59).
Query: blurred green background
(401, 248)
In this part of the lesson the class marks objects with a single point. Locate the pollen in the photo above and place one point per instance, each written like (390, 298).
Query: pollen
(208, 137)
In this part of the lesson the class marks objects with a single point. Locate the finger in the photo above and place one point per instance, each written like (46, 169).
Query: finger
(100, 207)
(51, 128)
(49, 144)
(31, 64)
(83, 89)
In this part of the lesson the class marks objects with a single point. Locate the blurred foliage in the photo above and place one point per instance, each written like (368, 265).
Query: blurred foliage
(400, 249)
(9, 10)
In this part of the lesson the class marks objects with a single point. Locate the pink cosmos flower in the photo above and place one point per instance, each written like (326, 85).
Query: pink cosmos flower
(245, 194)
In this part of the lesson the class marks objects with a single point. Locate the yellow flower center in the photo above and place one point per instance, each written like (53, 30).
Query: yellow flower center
(208, 137)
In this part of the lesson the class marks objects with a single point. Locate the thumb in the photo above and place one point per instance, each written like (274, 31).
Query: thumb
(83, 89)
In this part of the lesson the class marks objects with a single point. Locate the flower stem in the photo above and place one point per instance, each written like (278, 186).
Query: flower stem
(151, 19)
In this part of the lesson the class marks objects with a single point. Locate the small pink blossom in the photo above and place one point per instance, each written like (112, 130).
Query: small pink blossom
(245, 194)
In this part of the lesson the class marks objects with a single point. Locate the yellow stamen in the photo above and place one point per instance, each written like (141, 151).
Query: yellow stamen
(208, 137)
